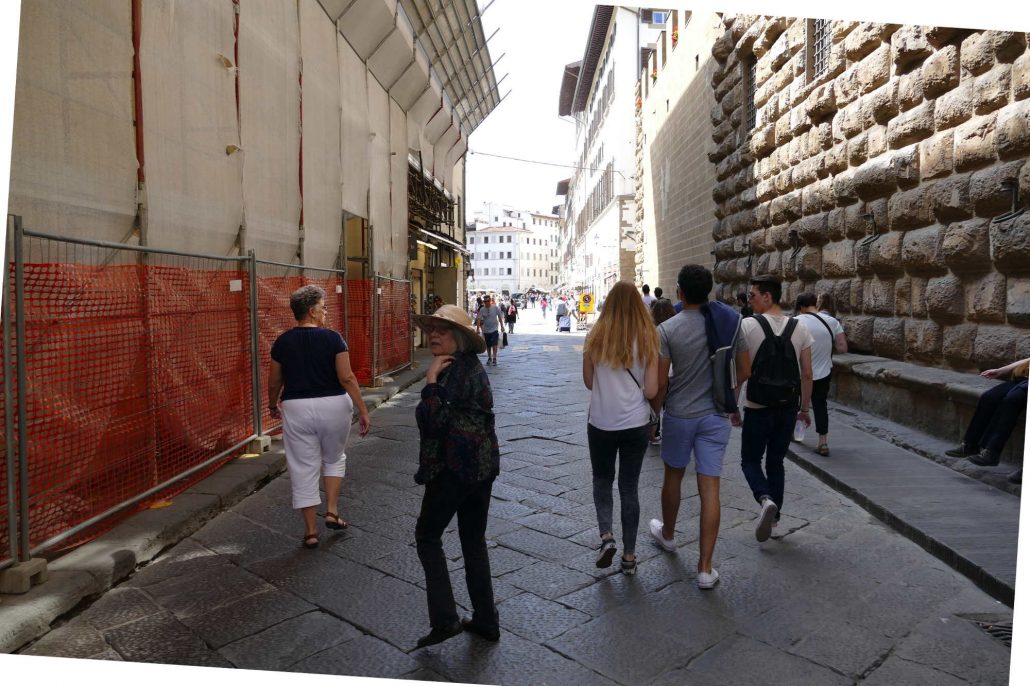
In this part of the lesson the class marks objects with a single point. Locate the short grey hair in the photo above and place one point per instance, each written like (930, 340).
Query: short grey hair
(303, 299)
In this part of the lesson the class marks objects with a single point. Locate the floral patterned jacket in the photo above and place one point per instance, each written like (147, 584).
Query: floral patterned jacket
(456, 423)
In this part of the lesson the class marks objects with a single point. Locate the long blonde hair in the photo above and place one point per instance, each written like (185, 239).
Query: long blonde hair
(623, 322)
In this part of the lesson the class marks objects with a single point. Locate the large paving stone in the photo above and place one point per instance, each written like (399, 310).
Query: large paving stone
(164, 639)
(541, 545)
(77, 639)
(366, 656)
(537, 619)
(289, 642)
(119, 606)
(186, 596)
(548, 579)
(320, 578)
(553, 524)
(246, 617)
(239, 540)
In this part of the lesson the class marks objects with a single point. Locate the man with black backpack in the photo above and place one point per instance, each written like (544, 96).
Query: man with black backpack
(777, 366)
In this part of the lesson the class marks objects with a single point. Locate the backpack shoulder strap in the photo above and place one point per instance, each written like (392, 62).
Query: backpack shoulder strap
(764, 323)
(788, 330)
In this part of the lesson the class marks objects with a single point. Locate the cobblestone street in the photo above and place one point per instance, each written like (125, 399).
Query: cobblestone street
(836, 598)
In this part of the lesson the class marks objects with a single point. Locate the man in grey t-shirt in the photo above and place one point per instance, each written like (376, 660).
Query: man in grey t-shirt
(690, 423)
(490, 321)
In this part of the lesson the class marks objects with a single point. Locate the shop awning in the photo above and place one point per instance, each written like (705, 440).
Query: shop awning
(446, 240)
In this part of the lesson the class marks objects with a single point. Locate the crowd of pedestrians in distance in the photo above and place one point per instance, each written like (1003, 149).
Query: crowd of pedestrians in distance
(679, 375)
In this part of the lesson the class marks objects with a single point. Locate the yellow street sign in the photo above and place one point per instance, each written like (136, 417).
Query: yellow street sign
(586, 303)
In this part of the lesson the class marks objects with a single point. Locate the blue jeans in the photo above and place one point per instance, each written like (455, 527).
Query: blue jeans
(629, 445)
(767, 432)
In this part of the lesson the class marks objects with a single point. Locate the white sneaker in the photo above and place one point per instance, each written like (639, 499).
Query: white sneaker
(706, 580)
(765, 520)
(668, 545)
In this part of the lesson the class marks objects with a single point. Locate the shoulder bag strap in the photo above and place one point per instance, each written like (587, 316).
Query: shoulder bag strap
(823, 322)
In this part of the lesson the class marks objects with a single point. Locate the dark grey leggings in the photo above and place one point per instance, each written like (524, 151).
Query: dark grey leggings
(629, 445)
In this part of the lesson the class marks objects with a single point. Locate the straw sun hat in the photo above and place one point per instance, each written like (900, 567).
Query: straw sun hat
(458, 321)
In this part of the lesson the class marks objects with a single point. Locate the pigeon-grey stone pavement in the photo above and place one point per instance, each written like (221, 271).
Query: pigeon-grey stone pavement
(835, 597)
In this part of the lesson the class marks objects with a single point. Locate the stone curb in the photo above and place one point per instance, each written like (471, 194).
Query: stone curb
(80, 576)
(989, 583)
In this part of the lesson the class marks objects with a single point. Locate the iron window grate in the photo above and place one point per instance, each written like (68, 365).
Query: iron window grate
(821, 46)
(751, 73)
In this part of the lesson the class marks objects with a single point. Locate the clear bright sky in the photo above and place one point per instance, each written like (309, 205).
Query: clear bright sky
(537, 38)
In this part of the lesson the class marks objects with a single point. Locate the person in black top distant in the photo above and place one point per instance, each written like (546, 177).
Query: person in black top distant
(745, 306)
(311, 368)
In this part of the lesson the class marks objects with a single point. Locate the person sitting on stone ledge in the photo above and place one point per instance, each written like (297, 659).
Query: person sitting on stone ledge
(996, 413)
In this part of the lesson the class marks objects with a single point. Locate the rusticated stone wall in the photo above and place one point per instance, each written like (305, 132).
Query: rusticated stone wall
(913, 128)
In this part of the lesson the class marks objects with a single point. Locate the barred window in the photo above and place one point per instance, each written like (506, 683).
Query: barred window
(818, 47)
(750, 67)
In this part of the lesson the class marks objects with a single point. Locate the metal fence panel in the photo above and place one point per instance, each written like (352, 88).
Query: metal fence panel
(392, 325)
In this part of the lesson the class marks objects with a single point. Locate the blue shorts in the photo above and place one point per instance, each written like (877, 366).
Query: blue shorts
(706, 437)
(492, 338)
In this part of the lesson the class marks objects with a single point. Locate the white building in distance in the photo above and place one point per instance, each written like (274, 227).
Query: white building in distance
(513, 250)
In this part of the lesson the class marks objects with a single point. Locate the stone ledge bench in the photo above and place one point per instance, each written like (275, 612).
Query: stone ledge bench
(939, 402)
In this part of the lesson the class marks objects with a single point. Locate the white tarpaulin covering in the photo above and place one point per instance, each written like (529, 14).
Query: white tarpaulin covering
(270, 126)
(379, 146)
(399, 187)
(323, 216)
(194, 194)
(354, 130)
(73, 158)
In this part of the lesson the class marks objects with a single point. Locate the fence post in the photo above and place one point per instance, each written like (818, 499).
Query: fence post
(23, 433)
(376, 382)
(261, 443)
(10, 456)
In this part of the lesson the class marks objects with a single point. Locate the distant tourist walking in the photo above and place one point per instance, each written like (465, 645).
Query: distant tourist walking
(311, 370)
(458, 461)
(511, 316)
(620, 367)
(543, 306)
(777, 366)
(563, 315)
(648, 298)
(693, 425)
(827, 337)
(995, 417)
(490, 321)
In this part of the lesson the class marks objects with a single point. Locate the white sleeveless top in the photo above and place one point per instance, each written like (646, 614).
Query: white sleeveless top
(616, 402)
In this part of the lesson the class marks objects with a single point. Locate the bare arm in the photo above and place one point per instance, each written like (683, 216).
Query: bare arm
(806, 379)
(588, 372)
(663, 383)
(275, 387)
(651, 381)
(840, 343)
(1007, 369)
(350, 384)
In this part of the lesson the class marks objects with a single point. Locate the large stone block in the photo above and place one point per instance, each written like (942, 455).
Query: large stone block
(1008, 45)
(821, 102)
(938, 36)
(909, 47)
(842, 296)
(839, 259)
(804, 174)
(876, 141)
(889, 337)
(835, 160)
(859, 331)
(936, 156)
(723, 46)
(1010, 244)
(1013, 131)
(875, 70)
(876, 178)
(809, 263)
(995, 346)
(846, 87)
(835, 224)
(910, 209)
(921, 251)
(977, 53)
(858, 149)
(1021, 77)
(882, 104)
(966, 246)
(1017, 300)
(854, 223)
(974, 143)
(958, 343)
(903, 296)
(779, 236)
(986, 192)
(944, 298)
(885, 254)
(954, 107)
(985, 298)
(912, 126)
(812, 229)
(918, 289)
(949, 199)
(991, 90)
(844, 188)
(839, 30)
(910, 90)
(786, 208)
(941, 72)
(853, 121)
(864, 39)
(923, 339)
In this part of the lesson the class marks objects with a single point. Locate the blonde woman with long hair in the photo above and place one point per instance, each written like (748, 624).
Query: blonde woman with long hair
(620, 367)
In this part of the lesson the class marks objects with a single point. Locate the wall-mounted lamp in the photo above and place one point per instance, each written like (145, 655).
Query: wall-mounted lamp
(874, 230)
(1012, 186)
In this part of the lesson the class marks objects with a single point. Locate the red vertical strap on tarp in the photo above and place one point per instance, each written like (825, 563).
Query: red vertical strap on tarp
(137, 87)
(236, 58)
(300, 169)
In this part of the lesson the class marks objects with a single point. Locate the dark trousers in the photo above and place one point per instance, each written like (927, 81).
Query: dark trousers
(446, 495)
(996, 413)
(628, 446)
(820, 390)
(766, 431)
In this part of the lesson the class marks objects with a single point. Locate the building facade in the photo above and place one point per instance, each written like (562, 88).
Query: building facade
(886, 165)
(513, 250)
(597, 239)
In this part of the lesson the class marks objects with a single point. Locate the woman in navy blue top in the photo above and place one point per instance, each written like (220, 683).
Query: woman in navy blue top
(311, 370)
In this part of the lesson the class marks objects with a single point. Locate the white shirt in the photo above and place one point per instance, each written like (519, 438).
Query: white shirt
(822, 342)
(616, 401)
(649, 300)
(753, 335)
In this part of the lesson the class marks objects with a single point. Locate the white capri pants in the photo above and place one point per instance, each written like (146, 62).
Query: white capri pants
(315, 432)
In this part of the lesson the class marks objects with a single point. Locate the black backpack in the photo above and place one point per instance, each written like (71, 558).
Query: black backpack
(775, 378)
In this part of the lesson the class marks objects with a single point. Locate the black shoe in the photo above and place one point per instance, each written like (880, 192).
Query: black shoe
(986, 458)
(962, 450)
(439, 635)
(489, 633)
(1016, 477)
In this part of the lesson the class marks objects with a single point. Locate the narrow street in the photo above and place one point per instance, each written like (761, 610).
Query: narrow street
(838, 598)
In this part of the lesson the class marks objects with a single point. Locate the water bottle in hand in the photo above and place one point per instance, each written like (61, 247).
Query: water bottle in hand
(799, 431)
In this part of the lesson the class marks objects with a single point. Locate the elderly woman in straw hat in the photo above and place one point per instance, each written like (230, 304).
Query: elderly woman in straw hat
(311, 369)
(458, 461)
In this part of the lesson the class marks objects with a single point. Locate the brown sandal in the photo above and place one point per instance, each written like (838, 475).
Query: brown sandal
(339, 523)
(310, 541)
(823, 450)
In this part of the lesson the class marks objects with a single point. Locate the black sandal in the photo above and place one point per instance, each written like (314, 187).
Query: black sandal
(307, 541)
(629, 567)
(338, 524)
